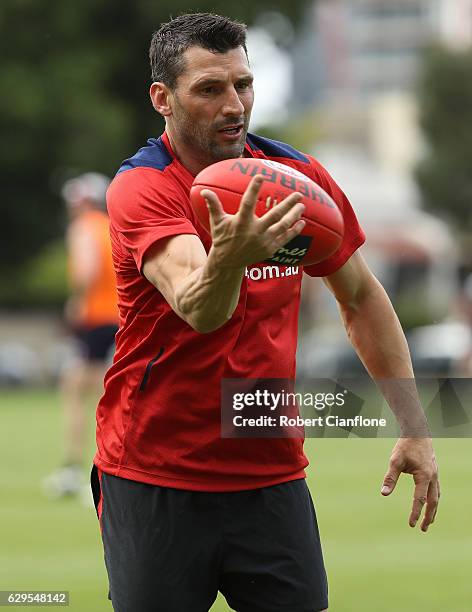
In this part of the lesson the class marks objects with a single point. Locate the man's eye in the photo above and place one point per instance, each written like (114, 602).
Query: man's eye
(209, 90)
(244, 85)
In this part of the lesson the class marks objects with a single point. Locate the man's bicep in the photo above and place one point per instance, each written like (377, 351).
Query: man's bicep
(168, 262)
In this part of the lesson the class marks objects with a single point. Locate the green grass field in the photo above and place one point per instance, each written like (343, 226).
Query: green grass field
(375, 562)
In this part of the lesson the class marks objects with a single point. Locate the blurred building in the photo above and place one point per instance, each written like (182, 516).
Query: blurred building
(357, 63)
(364, 47)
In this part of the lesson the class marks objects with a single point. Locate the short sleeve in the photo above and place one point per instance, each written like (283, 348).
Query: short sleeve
(354, 236)
(144, 209)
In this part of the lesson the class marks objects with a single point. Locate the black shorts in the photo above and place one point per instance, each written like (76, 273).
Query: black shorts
(168, 550)
(95, 343)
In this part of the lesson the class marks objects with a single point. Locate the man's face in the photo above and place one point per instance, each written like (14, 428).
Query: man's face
(211, 104)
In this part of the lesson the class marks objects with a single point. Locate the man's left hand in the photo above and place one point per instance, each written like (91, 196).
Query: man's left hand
(416, 456)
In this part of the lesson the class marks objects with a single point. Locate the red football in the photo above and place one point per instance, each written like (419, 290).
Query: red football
(229, 179)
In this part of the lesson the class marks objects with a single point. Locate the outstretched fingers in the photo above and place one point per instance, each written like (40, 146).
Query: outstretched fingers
(420, 497)
(391, 477)
(278, 212)
(432, 501)
(249, 199)
(285, 237)
(215, 207)
(280, 228)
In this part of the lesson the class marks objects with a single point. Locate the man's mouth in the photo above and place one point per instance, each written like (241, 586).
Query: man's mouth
(232, 131)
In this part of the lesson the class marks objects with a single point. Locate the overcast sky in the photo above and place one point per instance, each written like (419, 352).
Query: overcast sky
(272, 69)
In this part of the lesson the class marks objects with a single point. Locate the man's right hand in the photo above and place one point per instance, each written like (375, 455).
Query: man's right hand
(204, 290)
(244, 239)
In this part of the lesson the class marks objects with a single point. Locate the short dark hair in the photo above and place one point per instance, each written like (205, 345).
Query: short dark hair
(213, 32)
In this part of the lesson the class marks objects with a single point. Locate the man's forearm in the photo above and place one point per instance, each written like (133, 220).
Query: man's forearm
(375, 332)
(204, 290)
(208, 297)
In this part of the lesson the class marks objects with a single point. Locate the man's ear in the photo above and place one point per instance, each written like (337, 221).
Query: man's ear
(160, 98)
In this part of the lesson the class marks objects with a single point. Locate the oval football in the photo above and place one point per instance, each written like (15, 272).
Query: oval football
(229, 179)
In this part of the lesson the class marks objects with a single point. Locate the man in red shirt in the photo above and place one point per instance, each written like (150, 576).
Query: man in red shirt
(185, 513)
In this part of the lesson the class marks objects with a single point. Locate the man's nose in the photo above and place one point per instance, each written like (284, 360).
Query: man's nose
(233, 104)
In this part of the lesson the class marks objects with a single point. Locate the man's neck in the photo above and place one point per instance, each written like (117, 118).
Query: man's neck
(186, 157)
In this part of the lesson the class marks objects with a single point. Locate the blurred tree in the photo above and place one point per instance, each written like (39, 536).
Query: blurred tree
(445, 174)
(74, 98)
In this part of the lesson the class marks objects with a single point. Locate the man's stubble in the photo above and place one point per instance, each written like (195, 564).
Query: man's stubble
(202, 139)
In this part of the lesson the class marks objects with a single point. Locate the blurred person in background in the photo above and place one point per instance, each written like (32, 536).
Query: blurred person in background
(91, 315)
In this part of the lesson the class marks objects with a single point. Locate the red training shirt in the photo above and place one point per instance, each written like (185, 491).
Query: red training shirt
(158, 421)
